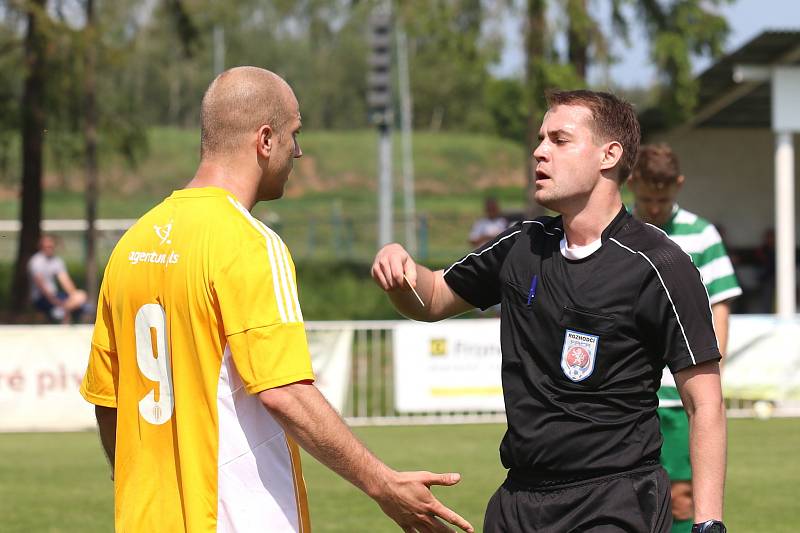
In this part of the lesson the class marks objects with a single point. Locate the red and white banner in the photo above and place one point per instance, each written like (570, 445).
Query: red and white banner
(41, 369)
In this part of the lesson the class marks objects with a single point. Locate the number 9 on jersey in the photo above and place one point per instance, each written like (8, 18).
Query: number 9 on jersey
(152, 356)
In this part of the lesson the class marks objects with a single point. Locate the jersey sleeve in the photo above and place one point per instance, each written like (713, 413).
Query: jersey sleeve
(60, 265)
(673, 311)
(716, 270)
(257, 296)
(101, 380)
(476, 276)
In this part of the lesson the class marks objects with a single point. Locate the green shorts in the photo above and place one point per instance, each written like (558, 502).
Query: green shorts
(675, 450)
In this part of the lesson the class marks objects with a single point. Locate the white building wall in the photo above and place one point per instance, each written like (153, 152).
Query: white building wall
(730, 179)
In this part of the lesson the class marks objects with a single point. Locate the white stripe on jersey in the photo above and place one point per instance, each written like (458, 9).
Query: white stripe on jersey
(733, 292)
(694, 243)
(274, 261)
(498, 242)
(481, 252)
(286, 273)
(280, 271)
(290, 285)
(684, 217)
(279, 263)
(669, 297)
(293, 287)
(716, 269)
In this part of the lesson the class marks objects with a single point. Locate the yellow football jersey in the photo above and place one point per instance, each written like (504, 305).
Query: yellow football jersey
(198, 311)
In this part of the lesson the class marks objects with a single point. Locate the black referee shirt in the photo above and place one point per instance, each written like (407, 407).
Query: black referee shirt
(584, 342)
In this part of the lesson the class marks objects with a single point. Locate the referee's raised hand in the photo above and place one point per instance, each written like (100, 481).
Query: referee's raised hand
(407, 499)
(415, 290)
(394, 268)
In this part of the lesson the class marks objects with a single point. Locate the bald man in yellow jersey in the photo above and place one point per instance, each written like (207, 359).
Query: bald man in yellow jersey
(199, 366)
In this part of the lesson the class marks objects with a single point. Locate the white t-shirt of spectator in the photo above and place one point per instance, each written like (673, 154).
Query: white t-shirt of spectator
(48, 268)
(487, 228)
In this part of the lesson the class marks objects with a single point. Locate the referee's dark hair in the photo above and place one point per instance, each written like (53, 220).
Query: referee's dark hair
(657, 166)
(614, 120)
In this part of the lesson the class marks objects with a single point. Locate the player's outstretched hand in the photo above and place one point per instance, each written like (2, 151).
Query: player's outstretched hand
(408, 500)
(392, 263)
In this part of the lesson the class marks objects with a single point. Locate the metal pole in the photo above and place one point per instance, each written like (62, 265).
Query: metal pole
(408, 157)
(784, 225)
(385, 200)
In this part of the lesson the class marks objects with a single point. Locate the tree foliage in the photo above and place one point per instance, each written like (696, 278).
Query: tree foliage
(678, 30)
(154, 58)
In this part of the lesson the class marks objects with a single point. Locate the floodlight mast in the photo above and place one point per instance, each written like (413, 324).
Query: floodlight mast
(379, 102)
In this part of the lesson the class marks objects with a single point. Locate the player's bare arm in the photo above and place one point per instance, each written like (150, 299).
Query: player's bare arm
(396, 272)
(404, 496)
(721, 312)
(107, 427)
(701, 393)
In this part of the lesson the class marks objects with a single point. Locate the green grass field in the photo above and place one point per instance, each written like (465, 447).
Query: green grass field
(53, 483)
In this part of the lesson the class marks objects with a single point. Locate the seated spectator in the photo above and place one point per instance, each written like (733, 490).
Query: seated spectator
(486, 228)
(52, 289)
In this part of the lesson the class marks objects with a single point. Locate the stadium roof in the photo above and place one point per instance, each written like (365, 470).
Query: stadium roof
(724, 103)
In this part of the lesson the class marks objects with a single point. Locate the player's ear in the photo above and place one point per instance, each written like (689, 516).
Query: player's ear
(679, 181)
(612, 153)
(265, 140)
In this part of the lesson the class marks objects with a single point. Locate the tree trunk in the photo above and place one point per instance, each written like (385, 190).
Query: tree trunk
(535, 35)
(90, 136)
(33, 129)
(578, 37)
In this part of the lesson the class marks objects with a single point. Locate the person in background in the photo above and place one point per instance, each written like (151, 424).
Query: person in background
(52, 290)
(489, 226)
(655, 183)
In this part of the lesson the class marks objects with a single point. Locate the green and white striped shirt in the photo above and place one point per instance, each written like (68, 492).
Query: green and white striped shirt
(701, 240)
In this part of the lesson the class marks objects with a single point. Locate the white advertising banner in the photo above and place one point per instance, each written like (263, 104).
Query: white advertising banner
(331, 358)
(763, 360)
(41, 369)
(449, 366)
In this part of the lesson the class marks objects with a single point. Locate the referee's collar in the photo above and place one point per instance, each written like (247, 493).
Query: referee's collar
(616, 224)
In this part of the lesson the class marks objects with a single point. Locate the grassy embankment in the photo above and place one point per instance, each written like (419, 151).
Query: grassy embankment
(328, 216)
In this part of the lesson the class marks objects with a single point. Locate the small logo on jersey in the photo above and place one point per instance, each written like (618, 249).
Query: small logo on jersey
(578, 355)
(163, 232)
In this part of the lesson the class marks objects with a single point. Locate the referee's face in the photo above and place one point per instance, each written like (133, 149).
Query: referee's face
(568, 159)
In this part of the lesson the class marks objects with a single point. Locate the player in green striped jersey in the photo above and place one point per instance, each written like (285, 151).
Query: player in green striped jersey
(655, 182)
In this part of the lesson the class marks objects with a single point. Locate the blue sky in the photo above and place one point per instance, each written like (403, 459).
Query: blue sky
(747, 18)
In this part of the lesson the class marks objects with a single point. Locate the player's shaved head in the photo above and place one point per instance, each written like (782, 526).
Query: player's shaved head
(237, 103)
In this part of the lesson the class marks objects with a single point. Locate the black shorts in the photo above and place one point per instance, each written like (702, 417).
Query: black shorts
(630, 502)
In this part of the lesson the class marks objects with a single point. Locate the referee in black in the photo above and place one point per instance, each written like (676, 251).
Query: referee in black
(594, 304)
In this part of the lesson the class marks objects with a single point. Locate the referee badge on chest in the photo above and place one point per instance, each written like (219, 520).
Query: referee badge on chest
(578, 355)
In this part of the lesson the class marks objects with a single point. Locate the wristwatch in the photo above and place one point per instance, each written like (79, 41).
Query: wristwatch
(709, 526)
